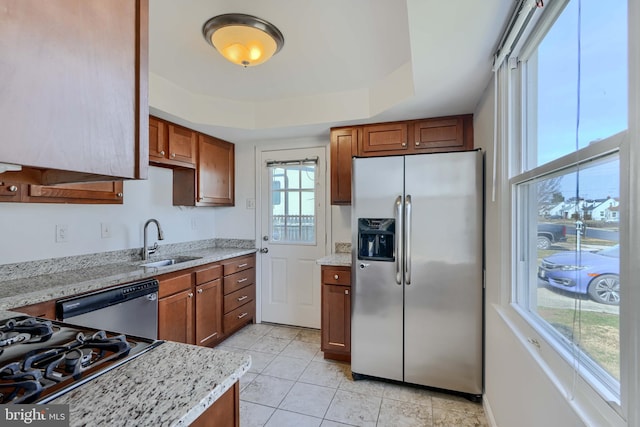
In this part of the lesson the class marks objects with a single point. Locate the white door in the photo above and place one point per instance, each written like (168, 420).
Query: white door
(293, 235)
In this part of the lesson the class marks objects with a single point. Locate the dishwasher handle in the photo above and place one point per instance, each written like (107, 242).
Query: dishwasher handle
(75, 306)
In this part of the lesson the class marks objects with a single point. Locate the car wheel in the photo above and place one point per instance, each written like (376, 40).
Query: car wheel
(605, 289)
(544, 242)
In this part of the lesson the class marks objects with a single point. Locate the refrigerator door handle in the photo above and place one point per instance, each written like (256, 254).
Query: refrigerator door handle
(407, 240)
(398, 242)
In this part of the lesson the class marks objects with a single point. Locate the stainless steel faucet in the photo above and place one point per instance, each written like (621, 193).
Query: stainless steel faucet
(146, 250)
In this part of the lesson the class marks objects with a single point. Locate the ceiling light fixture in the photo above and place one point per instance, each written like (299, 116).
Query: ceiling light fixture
(243, 39)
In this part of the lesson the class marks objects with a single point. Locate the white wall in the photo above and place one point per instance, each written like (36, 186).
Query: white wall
(518, 391)
(27, 231)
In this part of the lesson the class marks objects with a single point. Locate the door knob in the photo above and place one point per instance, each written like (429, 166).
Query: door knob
(265, 238)
(264, 250)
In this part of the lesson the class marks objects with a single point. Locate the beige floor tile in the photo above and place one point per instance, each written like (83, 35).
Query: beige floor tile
(309, 335)
(456, 403)
(282, 418)
(285, 367)
(301, 350)
(368, 387)
(407, 394)
(354, 408)
(308, 399)
(243, 341)
(449, 418)
(246, 379)
(267, 344)
(259, 360)
(394, 413)
(254, 415)
(328, 423)
(258, 329)
(325, 374)
(286, 332)
(265, 390)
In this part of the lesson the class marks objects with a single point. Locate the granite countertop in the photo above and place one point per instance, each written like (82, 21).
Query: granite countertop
(338, 259)
(94, 274)
(170, 385)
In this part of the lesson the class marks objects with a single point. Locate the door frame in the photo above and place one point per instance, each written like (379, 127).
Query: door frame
(262, 204)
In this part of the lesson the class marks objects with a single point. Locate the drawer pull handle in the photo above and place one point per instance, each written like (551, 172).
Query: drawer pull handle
(243, 280)
(242, 315)
(243, 265)
(244, 297)
(336, 277)
(346, 291)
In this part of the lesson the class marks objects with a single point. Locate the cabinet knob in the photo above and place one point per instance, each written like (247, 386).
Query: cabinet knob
(119, 194)
(336, 277)
(12, 188)
(200, 291)
(417, 143)
(190, 295)
(346, 291)
(162, 153)
(404, 144)
(173, 155)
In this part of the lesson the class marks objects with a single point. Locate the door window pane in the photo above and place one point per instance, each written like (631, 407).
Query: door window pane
(293, 206)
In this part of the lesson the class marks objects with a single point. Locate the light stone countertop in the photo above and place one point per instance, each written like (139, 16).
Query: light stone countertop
(338, 259)
(170, 385)
(31, 290)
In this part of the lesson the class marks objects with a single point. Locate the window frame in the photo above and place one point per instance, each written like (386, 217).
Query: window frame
(588, 403)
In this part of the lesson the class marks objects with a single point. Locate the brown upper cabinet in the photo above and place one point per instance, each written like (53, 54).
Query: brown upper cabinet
(213, 181)
(171, 145)
(344, 145)
(441, 134)
(79, 112)
(108, 192)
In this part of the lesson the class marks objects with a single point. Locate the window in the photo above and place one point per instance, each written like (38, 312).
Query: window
(566, 185)
(293, 197)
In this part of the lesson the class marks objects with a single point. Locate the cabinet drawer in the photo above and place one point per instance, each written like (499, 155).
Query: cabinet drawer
(335, 276)
(239, 264)
(239, 297)
(171, 285)
(208, 274)
(239, 316)
(239, 280)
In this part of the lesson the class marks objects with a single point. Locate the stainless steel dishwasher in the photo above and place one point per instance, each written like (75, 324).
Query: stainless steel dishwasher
(130, 309)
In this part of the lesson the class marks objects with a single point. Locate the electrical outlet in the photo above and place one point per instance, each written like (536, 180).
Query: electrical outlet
(105, 230)
(62, 233)
(251, 203)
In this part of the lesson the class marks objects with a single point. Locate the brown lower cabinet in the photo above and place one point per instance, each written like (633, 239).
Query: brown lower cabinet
(45, 310)
(336, 313)
(225, 412)
(205, 304)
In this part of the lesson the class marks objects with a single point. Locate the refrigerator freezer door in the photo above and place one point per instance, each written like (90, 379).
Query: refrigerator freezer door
(443, 303)
(376, 316)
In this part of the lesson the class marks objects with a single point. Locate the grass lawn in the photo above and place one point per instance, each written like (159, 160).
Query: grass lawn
(600, 334)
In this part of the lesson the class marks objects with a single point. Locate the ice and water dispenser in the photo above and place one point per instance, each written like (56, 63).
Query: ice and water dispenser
(376, 238)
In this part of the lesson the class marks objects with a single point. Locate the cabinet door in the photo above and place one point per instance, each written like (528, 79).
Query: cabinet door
(385, 138)
(433, 134)
(209, 312)
(343, 148)
(182, 145)
(336, 318)
(215, 172)
(74, 80)
(110, 192)
(175, 317)
(225, 412)
(157, 139)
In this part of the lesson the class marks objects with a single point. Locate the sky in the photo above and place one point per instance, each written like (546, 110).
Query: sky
(603, 88)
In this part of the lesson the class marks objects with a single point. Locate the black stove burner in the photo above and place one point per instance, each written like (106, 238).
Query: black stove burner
(42, 357)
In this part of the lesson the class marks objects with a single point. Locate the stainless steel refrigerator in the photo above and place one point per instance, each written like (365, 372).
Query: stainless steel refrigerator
(417, 293)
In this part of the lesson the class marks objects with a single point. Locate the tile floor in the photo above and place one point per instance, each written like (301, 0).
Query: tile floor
(291, 384)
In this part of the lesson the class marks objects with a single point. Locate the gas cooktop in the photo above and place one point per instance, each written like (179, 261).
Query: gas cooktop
(43, 359)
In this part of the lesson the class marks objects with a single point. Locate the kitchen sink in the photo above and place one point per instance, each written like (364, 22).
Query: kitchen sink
(170, 261)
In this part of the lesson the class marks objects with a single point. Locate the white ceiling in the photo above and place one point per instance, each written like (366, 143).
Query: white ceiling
(343, 62)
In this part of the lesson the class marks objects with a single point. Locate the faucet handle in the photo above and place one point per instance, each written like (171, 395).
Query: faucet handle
(153, 249)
